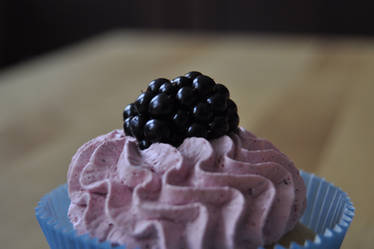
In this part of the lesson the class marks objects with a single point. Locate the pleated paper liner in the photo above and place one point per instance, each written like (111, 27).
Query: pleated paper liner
(329, 213)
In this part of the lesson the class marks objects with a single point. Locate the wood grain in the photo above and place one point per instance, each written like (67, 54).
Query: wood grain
(311, 97)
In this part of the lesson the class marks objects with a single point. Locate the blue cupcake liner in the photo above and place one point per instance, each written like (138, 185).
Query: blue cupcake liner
(329, 213)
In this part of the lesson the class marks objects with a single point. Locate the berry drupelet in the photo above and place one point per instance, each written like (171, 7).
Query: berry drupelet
(192, 105)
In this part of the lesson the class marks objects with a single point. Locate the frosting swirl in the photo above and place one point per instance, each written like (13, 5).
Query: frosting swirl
(237, 191)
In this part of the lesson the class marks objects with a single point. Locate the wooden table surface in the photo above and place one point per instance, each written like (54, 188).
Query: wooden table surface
(312, 97)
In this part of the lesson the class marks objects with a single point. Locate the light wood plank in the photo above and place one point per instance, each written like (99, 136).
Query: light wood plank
(347, 161)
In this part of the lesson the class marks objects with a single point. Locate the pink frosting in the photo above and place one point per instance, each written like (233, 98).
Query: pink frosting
(234, 192)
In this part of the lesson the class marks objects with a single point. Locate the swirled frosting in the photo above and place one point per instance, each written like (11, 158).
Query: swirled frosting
(237, 191)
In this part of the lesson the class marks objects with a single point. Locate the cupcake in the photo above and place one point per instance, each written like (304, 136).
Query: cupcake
(182, 174)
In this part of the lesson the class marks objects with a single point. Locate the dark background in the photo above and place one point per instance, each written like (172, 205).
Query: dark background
(33, 27)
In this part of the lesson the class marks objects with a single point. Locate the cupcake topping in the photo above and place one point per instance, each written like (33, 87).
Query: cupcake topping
(234, 192)
(187, 106)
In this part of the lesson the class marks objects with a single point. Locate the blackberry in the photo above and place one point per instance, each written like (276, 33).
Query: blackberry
(141, 103)
(161, 105)
(204, 85)
(217, 103)
(168, 88)
(136, 125)
(156, 130)
(222, 90)
(180, 120)
(202, 112)
(144, 144)
(154, 85)
(126, 126)
(129, 111)
(182, 81)
(232, 106)
(197, 130)
(192, 75)
(192, 105)
(186, 97)
(219, 125)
